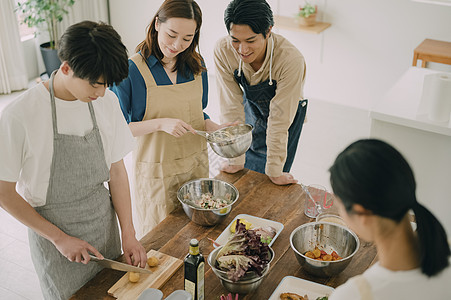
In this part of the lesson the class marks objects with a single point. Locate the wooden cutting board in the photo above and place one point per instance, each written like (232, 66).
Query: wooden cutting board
(124, 289)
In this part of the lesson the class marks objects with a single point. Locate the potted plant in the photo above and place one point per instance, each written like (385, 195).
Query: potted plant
(45, 15)
(307, 15)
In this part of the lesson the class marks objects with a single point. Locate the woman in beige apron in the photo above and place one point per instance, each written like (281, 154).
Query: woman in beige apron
(163, 100)
(164, 162)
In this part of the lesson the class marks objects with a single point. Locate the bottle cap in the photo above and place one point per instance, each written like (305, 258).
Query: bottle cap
(194, 243)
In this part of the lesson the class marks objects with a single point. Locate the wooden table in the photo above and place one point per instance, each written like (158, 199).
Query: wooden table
(258, 197)
(432, 51)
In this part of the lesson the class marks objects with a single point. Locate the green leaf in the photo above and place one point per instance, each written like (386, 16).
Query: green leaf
(38, 13)
(307, 10)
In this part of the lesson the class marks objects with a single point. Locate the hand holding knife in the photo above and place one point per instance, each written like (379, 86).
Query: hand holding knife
(112, 264)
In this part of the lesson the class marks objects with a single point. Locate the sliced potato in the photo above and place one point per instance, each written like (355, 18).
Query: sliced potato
(133, 277)
(153, 261)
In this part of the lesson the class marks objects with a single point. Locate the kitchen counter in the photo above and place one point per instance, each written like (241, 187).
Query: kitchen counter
(258, 197)
(403, 104)
(400, 118)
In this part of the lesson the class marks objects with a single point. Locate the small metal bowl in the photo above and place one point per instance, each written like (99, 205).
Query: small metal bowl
(247, 284)
(193, 190)
(237, 145)
(328, 237)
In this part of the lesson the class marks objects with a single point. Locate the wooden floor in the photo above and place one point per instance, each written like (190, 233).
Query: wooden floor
(329, 129)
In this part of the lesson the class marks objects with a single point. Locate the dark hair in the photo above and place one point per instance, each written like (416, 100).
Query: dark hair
(255, 13)
(93, 51)
(375, 175)
(190, 58)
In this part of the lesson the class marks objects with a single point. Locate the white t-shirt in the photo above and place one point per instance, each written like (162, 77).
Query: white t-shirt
(26, 136)
(394, 285)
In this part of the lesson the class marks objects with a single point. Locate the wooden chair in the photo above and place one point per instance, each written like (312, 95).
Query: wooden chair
(432, 51)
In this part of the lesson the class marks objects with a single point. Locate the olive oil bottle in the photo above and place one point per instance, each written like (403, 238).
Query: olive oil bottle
(194, 271)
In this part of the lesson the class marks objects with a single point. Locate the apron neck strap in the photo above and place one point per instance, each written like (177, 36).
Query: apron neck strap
(53, 105)
(239, 67)
(270, 61)
(144, 68)
(93, 115)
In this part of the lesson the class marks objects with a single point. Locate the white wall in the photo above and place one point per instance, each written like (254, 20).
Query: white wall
(354, 62)
(31, 58)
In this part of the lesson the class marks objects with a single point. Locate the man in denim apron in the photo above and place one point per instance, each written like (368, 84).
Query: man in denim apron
(260, 78)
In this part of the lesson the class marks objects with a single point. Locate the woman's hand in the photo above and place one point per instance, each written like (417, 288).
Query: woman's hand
(226, 167)
(134, 252)
(75, 250)
(175, 127)
(284, 179)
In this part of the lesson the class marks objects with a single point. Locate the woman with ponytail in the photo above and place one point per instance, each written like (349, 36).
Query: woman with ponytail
(375, 188)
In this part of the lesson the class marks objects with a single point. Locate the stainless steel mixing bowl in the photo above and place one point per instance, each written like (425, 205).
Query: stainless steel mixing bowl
(240, 140)
(328, 237)
(247, 284)
(193, 190)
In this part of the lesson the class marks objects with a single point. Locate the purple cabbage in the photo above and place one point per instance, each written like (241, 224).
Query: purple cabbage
(243, 252)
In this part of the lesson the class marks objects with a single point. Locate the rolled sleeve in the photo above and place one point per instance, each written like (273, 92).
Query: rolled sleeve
(283, 109)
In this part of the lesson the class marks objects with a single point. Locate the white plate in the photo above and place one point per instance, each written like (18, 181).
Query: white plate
(256, 222)
(291, 284)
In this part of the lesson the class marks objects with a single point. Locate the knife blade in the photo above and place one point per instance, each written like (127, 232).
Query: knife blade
(112, 264)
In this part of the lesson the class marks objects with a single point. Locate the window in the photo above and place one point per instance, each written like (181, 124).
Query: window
(24, 31)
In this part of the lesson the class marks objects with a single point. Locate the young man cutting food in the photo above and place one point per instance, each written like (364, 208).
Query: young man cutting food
(61, 141)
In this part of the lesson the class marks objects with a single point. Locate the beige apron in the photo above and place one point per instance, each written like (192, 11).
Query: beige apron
(163, 162)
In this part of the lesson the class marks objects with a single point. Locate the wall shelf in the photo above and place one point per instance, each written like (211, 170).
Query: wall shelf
(290, 23)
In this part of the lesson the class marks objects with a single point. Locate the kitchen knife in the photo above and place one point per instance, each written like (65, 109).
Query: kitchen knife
(112, 264)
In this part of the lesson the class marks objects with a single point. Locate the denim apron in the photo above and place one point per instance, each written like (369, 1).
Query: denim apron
(256, 100)
(78, 203)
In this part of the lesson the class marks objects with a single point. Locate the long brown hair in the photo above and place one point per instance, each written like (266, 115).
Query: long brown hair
(190, 58)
